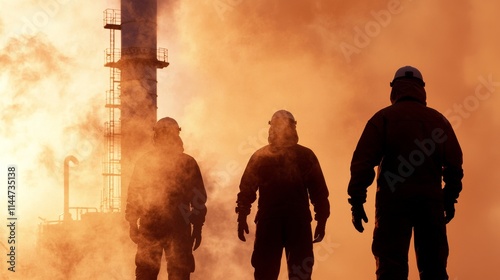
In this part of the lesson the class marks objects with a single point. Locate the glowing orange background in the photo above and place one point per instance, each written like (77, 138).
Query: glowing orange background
(232, 64)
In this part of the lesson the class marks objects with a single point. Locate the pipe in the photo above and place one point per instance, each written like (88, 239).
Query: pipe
(66, 215)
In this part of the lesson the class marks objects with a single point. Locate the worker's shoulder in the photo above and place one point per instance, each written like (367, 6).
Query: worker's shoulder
(303, 149)
(146, 157)
(434, 116)
(435, 112)
(266, 149)
(306, 153)
(159, 155)
(187, 157)
(407, 108)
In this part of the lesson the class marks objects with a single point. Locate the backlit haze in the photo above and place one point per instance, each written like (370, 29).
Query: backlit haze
(233, 63)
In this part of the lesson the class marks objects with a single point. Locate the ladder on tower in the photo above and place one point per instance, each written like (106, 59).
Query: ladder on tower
(111, 192)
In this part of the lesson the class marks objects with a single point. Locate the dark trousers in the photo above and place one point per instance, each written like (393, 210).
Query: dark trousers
(178, 253)
(395, 221)
(272, 235)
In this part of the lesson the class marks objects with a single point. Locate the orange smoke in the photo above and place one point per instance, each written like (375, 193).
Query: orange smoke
(232, 64)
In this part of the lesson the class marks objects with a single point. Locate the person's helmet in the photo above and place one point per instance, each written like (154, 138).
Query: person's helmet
(167, 125)
(408, 72)
(282, 132)
(282, 117)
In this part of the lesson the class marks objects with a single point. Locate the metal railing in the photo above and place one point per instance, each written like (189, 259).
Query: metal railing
(114, 55)
(111, 17)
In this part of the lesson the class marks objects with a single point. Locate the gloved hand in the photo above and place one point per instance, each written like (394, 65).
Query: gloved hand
(449, 210)
(319, 232)
(242, 227)
(196, 236)
(358, 214)
(134, 232)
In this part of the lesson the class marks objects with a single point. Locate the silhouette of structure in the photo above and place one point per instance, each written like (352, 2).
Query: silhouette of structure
(132, 95)
(131, 104)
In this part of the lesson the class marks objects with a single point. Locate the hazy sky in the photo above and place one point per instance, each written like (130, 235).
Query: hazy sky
(232, 64)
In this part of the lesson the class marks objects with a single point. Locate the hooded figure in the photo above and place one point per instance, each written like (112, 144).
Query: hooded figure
(415, 149)
(286, 175)
(166, 206)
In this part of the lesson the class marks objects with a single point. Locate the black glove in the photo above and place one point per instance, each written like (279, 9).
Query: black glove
(358, 214)
(134, 232)
(319, 232)
(196, 236)
(449, 210)
(242, 227)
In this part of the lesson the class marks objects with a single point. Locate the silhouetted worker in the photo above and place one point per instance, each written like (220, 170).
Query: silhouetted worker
(286, 175)
(165, 197)
(415, 148)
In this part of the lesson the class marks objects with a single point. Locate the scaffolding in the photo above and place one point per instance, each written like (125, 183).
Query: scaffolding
(111, 192)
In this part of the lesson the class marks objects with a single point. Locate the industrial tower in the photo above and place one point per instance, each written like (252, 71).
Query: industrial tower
(131, 104)
(131, 99)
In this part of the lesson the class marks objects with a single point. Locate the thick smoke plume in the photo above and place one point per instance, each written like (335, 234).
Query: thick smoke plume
(232, 64)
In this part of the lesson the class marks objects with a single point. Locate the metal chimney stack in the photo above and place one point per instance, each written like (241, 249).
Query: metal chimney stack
(139, 59)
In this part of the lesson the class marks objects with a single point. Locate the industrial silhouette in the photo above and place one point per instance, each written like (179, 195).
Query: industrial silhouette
(131, 104)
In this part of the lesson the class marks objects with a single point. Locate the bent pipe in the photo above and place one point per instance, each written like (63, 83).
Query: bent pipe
(67, 160)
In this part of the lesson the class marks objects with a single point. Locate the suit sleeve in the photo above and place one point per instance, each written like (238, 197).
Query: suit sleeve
(452, 167)
(367, 155)
(248, 187)
(199, 199)
(318, 191)
(133, 210)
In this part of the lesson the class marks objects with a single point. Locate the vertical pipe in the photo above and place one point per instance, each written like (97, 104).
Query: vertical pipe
(138, 65)
(66, 215)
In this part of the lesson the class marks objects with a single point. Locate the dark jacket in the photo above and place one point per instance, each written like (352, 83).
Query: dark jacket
(286, 177)
(166, 192)
(414, 147)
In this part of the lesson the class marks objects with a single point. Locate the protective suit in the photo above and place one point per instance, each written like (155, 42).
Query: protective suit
(286, 175)
(415, 149)
(166, 197)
